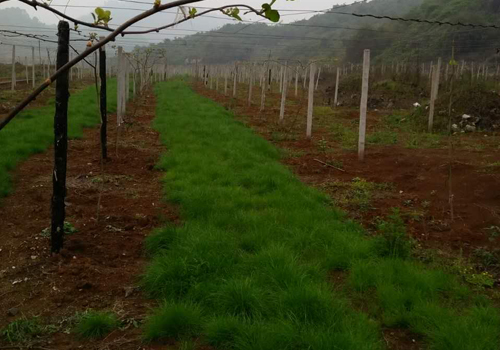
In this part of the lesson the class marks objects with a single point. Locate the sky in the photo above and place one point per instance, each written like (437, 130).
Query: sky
(122, 12)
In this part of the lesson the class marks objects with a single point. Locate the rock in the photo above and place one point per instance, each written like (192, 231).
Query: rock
(129, 291)
(455, 127)
(470, 128)
(466, 116)
(13, 312)
(390, 105)
(417, 105)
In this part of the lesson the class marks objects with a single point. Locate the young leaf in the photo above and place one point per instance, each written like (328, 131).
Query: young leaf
(192, 12)
(103, 16)
(269, 13)
(272, 15)
(235, 13)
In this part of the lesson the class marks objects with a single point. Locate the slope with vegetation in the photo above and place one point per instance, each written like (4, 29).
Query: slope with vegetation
(343, 37)
(321, 36)
(420, 42)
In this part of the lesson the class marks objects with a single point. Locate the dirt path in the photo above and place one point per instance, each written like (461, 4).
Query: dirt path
(101, 263)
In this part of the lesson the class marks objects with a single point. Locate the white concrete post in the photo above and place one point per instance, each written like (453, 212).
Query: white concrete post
(284, 91)
(217, 70)
(364, 105)
(305, 77)
(434, 93)
(281, 79)
(235, 84)
(317, 81)
(296, 81)
(134, 82)
(310, 105)
(250, 85)
(14, 78)
(33, 73)
(264, 88)
(127, 77)
(120, 88)
(225, 80)
(26, 70)
(336, 99)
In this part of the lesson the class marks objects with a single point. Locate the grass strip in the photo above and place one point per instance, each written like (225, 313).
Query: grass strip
(32, 130)
(251, 267)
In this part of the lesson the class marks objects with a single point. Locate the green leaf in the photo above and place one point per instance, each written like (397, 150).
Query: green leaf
(193, 12)
(272, 15)
(103, 16)
(269, 13)
(235, 13)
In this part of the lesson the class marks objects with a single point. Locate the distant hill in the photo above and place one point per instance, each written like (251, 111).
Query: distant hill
(14, 16)
(16, 19)
(324, 35)
(344, 37)
(424, 42)
(335, 35)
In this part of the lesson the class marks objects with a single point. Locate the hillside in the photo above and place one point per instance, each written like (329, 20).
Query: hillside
(343, 37)
(323, 35)
(422, 42)
(15, 19)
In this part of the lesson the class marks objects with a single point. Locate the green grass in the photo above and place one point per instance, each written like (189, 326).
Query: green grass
(22, 330)
(347, 136)
(174, 320)
(96, 324)
(423, 140)
(32, 131)
(249, 269)
(383, 137)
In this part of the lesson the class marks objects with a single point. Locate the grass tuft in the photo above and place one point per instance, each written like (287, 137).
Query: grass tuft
(222, 331)
(96, 324)
(175, 320)
(22, 330)
(240, 298)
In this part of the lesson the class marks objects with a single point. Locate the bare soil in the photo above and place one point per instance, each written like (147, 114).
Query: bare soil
(100, 265)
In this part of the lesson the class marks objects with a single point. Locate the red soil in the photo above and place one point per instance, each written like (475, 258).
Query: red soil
(101, 263)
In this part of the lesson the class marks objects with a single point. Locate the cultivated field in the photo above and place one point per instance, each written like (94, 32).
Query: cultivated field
(281, 243)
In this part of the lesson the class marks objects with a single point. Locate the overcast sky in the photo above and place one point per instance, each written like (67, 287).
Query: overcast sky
(44, 16)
